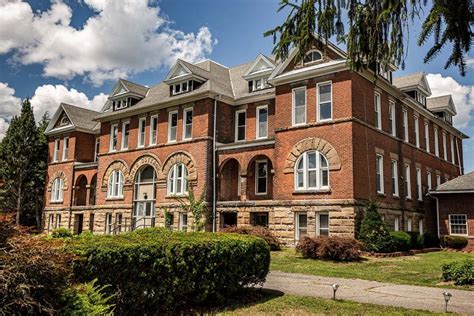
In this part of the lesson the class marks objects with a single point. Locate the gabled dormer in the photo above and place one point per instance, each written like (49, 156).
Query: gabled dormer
(258, 72)
(68, 118)
(443, 107)
(185, 77)
(126, 94)
(414, 85)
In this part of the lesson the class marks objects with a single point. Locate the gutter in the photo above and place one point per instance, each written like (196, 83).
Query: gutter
(214, 151)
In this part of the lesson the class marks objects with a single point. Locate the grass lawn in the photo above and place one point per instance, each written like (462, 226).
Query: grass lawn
(275, 304)
(422, 269)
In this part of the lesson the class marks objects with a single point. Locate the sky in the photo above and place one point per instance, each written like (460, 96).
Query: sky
(74, 50)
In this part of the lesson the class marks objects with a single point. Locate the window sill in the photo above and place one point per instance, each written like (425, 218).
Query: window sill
(312, 191)
(396, 196)
(56, 202)
(115, 199)
(381, 194)
(174, 196)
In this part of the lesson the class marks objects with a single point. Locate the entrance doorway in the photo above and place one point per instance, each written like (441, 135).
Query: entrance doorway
(78, 223)
(144, 198)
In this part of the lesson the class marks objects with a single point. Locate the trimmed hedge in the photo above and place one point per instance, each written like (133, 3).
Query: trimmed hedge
(331, 248)
(61, 233)
(455, 242)
(155, 270)
(461, 272)
(401, 240)
(258, 231)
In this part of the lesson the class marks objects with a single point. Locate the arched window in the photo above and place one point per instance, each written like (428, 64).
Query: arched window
(57, 190)
(312, 56)
(312, 171)
(178, 180)
(115, 185)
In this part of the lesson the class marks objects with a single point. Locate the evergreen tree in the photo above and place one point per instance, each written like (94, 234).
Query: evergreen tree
(377, 30)
(373, 231)
(22, 168)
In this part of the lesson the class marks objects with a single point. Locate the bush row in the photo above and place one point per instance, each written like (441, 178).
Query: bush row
(258, 231)
(461, 272)
(331, 248)
(454, 242)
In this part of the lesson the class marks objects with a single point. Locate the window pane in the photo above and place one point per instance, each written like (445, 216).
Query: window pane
(325, 112)
(241, 133)
(241, 118)
(300, 113)
(311, 160)
(323, 161)
(324, 178)
(312, 179)
(299, 179)
(325, 93)
(300, 97)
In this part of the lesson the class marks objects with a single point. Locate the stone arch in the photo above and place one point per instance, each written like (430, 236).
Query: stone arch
(116, 165)
(313, 143)
(184, 158)
(58, 174)
(146, 159)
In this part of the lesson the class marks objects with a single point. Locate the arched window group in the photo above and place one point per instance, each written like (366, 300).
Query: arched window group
(115, 185)
(312, 171)
(178, 180)
(312, 56)
(57, 190)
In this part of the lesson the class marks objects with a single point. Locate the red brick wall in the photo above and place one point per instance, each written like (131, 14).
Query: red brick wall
(456, 204)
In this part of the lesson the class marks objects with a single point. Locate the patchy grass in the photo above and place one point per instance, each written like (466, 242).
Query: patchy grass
(422, 269)
(274, 303)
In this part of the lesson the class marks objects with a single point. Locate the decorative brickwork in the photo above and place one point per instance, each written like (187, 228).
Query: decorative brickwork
(58, 174)
(313, 143)
(116, 165)
(147, 159)
(180, 157)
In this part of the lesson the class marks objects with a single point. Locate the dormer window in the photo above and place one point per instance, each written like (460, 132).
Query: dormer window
(386, 74)
(182, 87)
(121, 103)
(258, 84)
(312, 56)
(64, 121)
(421, 98)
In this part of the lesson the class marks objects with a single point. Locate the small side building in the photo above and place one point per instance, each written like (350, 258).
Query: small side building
(455, 207)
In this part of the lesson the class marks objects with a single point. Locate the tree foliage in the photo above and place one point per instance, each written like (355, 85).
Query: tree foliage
(373, 231)
(376, 29)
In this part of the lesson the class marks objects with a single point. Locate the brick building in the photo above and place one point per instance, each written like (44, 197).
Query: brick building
(298, 146)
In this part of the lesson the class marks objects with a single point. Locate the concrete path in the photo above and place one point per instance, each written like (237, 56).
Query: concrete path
(408, 296)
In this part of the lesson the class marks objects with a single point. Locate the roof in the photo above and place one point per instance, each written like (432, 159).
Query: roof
(80, 117)
(460, 184)
(135, 87)
(444, 102)
(415, 80)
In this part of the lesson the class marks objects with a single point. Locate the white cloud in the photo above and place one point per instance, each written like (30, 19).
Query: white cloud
(3, 127)
(9, 104)
(122, 38)
(463, 96)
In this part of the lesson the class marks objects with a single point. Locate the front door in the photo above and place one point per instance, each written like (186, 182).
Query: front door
(144, 214)
(78, 222)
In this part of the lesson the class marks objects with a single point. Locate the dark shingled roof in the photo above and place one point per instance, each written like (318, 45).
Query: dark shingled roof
(81, 117)
(461, 183)
(135, 87)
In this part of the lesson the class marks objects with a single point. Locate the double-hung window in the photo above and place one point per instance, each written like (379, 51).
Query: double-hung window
(436, 141)
(438, 180)
(141, 132)
(427, 136)
(392, 118)
(421, 228)
(65, 147)
(394, 171)
(322, 224)
(97, 148)
(172, 126)
(407, 181)
(108, 223)
(125, 134)
(379, 173)
(378, 112)
(113, 137)
(183, 222)
(445, 147)
(262, 122)
(57, 190)
(57, 142)
(429, 180)
(409, 224)
(299, 106)
(312, 171)
(188, 123)
(178, 180)
(240, 118)
(115, 185)
(419, 188)
(458, 224)
(452, 150)
(324, 101)
(261, 176)
(396, 224)
(301, 223)
(58, 221)
(406, 136)
(417, 131)
(154, 130)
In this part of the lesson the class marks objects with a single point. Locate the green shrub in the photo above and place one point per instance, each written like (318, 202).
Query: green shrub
(156, 270)
(61, 233)
(455, 242)
(330, 248)
(87, 299)
(374, 234)
(258, 231)
(428, 240)
(401, 240)
(461, 272)
(415, 240)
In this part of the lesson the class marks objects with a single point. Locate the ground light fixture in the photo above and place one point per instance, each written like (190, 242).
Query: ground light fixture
(447, 297)
(335, 286)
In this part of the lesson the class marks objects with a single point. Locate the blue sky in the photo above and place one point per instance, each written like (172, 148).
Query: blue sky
(74, 50)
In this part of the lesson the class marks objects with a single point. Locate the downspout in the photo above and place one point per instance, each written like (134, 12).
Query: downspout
(437, 214)
(214, 194)
(459, 157)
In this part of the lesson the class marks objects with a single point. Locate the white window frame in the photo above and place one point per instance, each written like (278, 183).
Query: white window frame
(421, 226)
(108, 223)
(394, 174)
(409, 224)
(408, 181)
(427, 136)
(436, 141)
(58, 221)
(378, 110)
(297, 225)
(392, 118)
(173, 180)
(65, 148)
(406, 136)
(113, 129)
(185, 125)
(396, 224)
(445, 147)
(182, 226)
(115, 185)
(153, 132)
(453, 157)
(379, 172)
(417, 130)
(438, 180)
(50, 222)
(263, 84)
(318, 224)
(419, 184)
(141, 132)
(429, 177)
(450, 223)
(237, 125)
(57, 190)
(170, 115)
(293, 106)
(318, 86)
(181, 84)
(97, 148)
(57, 144)
(306, 170)
(257, 163)
(313, 61)
(257, 123)
(125, 141)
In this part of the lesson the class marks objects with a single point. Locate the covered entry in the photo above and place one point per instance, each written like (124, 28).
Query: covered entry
(144, 198)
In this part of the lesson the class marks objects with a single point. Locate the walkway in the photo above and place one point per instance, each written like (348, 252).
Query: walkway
(408, 296)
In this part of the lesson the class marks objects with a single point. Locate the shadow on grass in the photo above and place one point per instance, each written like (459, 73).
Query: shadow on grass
(244, 298)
